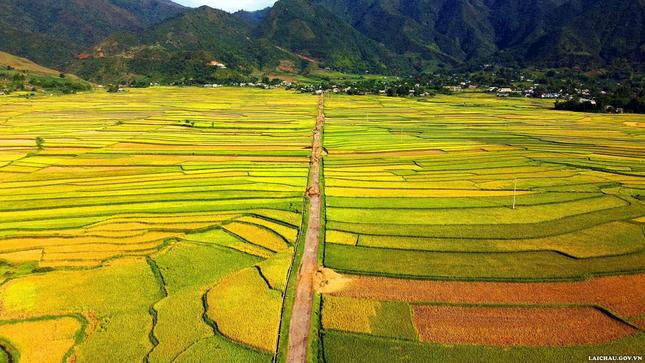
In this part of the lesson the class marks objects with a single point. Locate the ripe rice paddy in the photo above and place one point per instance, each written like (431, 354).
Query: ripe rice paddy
(134, 225)
(517, 326)
(419, 194)
(163, 221)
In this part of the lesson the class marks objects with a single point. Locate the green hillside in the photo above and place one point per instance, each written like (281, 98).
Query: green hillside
(54, 32)
(550, 33)
(181, 49)
(20, 74)
(314, 31)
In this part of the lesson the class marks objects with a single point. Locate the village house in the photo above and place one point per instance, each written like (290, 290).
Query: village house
(550, 95)
(217, 64)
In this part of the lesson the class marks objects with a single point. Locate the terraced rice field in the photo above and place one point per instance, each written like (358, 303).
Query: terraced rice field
(163, 222)
(436, 263)
(136, 235)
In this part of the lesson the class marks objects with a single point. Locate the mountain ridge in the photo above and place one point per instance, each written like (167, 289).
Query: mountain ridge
(53, 32)
(145, 38)
(549, 33)
(183, 46)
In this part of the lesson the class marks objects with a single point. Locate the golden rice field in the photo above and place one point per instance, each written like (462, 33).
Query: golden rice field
(158, 225)
(419, 198)
(144, 227)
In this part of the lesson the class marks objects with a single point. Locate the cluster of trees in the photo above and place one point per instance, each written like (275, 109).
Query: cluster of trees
(401, 87)
(13, 81)
(615, 88)
(605, 103)
(608, 96)
(179, 68)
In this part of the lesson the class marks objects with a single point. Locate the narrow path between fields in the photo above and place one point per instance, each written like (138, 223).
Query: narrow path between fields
(303, 305)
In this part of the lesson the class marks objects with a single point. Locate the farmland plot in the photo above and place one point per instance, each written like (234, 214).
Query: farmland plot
(128, 231)
(477, 229)
(163, 221)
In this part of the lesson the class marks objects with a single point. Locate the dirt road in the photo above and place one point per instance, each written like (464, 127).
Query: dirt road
(303, 304)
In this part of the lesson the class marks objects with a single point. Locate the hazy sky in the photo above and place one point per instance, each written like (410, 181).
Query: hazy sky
(229, 5)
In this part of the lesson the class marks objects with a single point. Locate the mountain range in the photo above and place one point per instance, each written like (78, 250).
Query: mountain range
(109, 39)
(549, 33)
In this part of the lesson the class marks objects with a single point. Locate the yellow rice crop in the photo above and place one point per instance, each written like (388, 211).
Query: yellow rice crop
(22, 256)
(103, 247)
(275, 269)
(70, 264)
(42, 341)
(96, 255)
(342, 238)
(246, 310)
(13, 244)
(290, 234)
(347, 314)
(257, 235)
(251, 249)
(421, 193)
(450, 185)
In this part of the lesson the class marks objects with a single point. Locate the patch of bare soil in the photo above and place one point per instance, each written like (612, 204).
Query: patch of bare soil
(328, 281)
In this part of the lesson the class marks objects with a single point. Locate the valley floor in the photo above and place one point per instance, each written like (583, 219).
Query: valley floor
(159, 225)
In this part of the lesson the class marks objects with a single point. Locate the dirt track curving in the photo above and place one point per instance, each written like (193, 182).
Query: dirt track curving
(301, 315)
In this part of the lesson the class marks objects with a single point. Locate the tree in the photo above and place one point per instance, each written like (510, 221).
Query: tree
(40, 143)
(62, 75)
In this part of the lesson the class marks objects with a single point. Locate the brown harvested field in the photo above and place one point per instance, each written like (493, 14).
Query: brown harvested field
(624, 295)
(517, 326)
